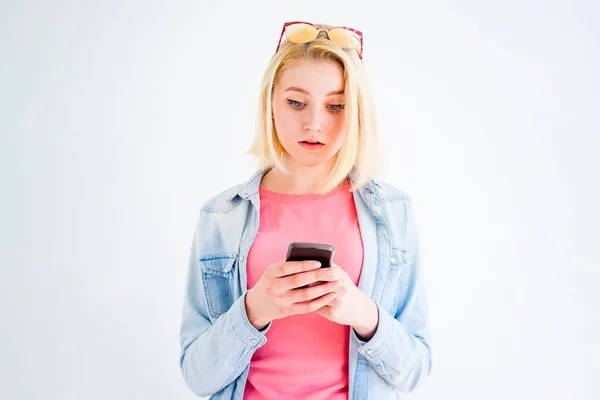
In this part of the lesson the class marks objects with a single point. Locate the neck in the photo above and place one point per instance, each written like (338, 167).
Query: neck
(300, 180)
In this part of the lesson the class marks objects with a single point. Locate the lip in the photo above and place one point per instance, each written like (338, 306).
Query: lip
(311, 146)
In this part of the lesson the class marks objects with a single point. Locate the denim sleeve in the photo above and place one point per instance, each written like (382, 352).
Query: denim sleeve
(400, 348)
(213, 355)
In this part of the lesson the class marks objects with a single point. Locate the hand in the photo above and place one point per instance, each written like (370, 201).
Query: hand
(280, 291)
(352, 307)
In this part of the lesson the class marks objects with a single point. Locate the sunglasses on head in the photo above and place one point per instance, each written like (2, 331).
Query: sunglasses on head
(304, 32)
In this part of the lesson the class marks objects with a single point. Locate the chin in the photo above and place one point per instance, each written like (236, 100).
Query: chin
(305, 159)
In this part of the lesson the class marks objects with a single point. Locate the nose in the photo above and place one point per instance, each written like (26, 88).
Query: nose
(314, 120)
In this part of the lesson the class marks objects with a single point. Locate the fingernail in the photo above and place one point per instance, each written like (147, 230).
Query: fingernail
(316, 264)
(330, 272)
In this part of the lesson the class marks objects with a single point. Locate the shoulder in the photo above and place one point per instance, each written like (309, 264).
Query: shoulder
(385, 192)
(228, 199)
(222, 202)
(395, 207)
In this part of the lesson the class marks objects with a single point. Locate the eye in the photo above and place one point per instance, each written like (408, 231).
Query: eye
(336, 107)
(295, 104)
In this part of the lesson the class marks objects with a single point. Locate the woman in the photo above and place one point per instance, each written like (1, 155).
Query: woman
(257, 327)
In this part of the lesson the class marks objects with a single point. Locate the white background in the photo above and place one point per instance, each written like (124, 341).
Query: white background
(119, 118)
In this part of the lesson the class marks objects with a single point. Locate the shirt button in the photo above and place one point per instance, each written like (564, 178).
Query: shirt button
(242, 257)
(253, 342)
(393, 259)
(370, 351)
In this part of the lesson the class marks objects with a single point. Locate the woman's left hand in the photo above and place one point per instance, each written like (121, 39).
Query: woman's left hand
(352, 307)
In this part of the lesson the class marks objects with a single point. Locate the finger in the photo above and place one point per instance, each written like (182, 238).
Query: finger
(334, 303)
(286, 268)
(338, 271)
(305, 278)
(310, 293)
(313, 305)
(342, 291)
(327, 310)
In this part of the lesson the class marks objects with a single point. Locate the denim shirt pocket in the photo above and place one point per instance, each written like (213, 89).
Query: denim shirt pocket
(391, 295)
(398, 258)
(218, 277)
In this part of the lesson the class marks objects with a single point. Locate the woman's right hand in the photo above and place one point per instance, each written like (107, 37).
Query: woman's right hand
(281, 291)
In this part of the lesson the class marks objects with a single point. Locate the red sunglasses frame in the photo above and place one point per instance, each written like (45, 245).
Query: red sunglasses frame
(359, 33)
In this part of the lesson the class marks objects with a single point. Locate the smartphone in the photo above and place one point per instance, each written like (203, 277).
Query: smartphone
(299, 251)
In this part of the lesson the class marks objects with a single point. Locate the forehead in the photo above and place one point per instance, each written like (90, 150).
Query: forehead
(314, 77)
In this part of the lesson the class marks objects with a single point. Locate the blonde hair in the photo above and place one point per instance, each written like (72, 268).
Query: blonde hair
(360, 153)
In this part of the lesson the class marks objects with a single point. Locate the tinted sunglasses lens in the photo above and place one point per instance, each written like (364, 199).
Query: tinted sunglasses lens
(301, 33)
(344, 38)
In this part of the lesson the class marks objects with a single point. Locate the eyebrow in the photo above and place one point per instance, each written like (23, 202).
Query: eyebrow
(297, 89)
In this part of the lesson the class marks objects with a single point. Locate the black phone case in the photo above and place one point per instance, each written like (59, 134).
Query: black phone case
(322, 253)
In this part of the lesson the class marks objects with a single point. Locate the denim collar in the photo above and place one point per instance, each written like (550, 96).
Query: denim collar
(250, 188)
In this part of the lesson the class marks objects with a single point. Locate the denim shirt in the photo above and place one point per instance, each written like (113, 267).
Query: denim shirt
(217, 340)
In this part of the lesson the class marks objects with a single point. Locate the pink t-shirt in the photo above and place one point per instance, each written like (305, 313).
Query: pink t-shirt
(306, 355)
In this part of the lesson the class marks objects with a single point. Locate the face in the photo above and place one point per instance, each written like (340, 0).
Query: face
(308, 107)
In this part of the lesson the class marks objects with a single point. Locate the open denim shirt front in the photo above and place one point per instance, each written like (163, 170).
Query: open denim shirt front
(217, 340)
